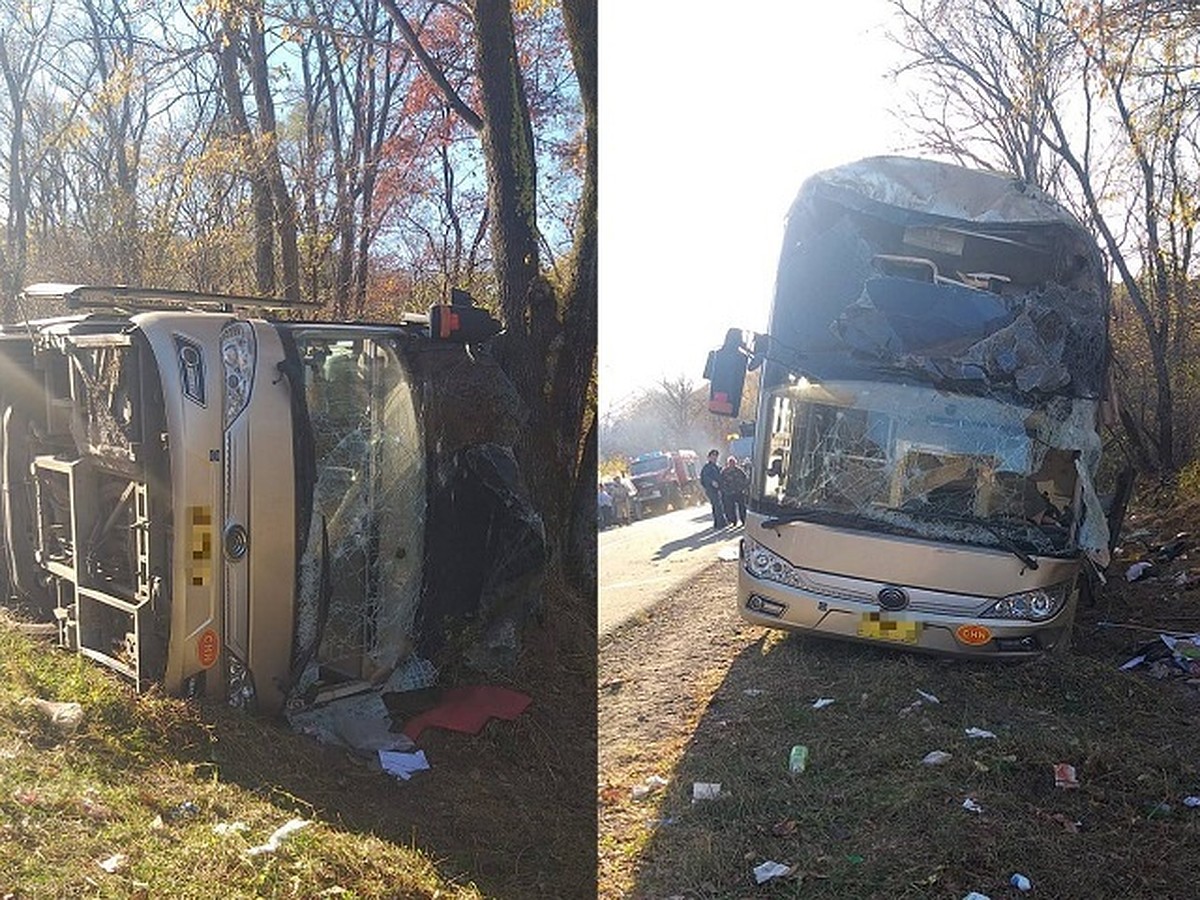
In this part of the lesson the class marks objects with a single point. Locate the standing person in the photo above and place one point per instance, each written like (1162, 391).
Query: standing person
(604, 507)
(710, 480)
(734, 484)
(620, 499)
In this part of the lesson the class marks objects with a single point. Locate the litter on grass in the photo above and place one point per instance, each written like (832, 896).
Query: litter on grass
(1020, 882)
(114, 863)
(975, 895)
(979, 733)
(823, 702)
(971, 806)
(1137, 571)
(278, 836)
(401, 764)
(1064, 776)
(224, 829)
(651, 785)
(1191, 802)
(928, 697)
(702, 790)
(936, 758)
(798, 759)
(769, 870)
(64, 716)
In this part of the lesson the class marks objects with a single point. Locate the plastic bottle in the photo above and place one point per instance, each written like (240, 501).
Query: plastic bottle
(798, 759)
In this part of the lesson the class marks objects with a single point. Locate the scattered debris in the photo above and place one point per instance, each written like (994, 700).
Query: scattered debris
(94, 809)
(979, 733)
(114, 863)
(971, 806)
(468, 709)
(1186, 580)
(928, 697)
(1071, 825)
(1064, 776)
(402, 764)
(911, 708)
(975, 895)
(1170, 655)
(753, 692)
(936, 758)
(823, 702)
(1020, 882)
(181, 812)
(1138, 571)
(798, 759)
(728, 554)
(1191, 802)
(278, 836)
(770, 870)
(224, 829)
(64, 716)
(702, 790)
(784, 828)
(651, 785)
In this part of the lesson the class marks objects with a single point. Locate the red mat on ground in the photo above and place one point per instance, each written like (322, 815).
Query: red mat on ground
(468, 709)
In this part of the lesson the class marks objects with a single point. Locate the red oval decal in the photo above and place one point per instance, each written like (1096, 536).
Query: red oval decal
(974, 635)
(208, 647)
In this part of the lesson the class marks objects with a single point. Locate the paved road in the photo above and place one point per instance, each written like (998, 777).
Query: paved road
(644, 562)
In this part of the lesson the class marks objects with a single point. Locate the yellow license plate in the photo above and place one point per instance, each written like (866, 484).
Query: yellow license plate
(879, 628)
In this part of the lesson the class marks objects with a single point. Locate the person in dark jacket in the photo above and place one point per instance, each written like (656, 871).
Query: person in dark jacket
(710, 480)
(734, 484)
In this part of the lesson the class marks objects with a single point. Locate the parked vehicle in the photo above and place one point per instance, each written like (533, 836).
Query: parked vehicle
(213, 501)
(665, 479)
(927, 431)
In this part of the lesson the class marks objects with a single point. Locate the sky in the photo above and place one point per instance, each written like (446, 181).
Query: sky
(711, 116)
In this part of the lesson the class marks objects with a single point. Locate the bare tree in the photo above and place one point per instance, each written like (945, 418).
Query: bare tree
(1104, 95)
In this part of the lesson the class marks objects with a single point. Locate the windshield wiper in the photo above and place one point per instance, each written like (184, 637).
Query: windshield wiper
(1005, 542)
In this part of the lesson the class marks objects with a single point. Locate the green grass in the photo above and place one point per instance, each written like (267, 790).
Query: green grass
(120, 781)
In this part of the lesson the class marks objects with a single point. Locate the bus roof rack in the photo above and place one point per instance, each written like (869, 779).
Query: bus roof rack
(79, 296)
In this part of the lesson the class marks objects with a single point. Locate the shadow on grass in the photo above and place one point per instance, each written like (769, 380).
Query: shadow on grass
(868, 819)
(510, 809)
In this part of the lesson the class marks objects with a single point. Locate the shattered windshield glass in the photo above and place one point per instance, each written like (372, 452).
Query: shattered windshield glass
(910, 459)
(361, 562)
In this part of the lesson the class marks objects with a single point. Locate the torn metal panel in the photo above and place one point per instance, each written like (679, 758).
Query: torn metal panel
(971, 280)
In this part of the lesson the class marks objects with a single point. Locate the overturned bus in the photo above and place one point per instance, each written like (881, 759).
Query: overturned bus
(927, 431)
(214, 502)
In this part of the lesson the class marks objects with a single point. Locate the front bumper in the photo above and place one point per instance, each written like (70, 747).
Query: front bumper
(774, 605)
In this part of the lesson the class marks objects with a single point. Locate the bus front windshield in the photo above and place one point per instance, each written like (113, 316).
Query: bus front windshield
(364, 482)
(910, 459)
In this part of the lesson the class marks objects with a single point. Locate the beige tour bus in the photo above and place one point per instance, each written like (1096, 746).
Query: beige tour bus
(926, 442)
(209, 500)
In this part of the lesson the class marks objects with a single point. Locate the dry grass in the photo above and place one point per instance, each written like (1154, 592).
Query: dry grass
(507, 813)
(868, 819)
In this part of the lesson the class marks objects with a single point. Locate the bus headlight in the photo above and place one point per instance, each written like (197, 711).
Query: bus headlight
(770, 566)
(1036, 605)
(237, 360)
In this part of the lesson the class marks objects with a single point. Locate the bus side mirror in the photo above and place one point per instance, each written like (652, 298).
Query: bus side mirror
(726, 374)
(461, 324)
